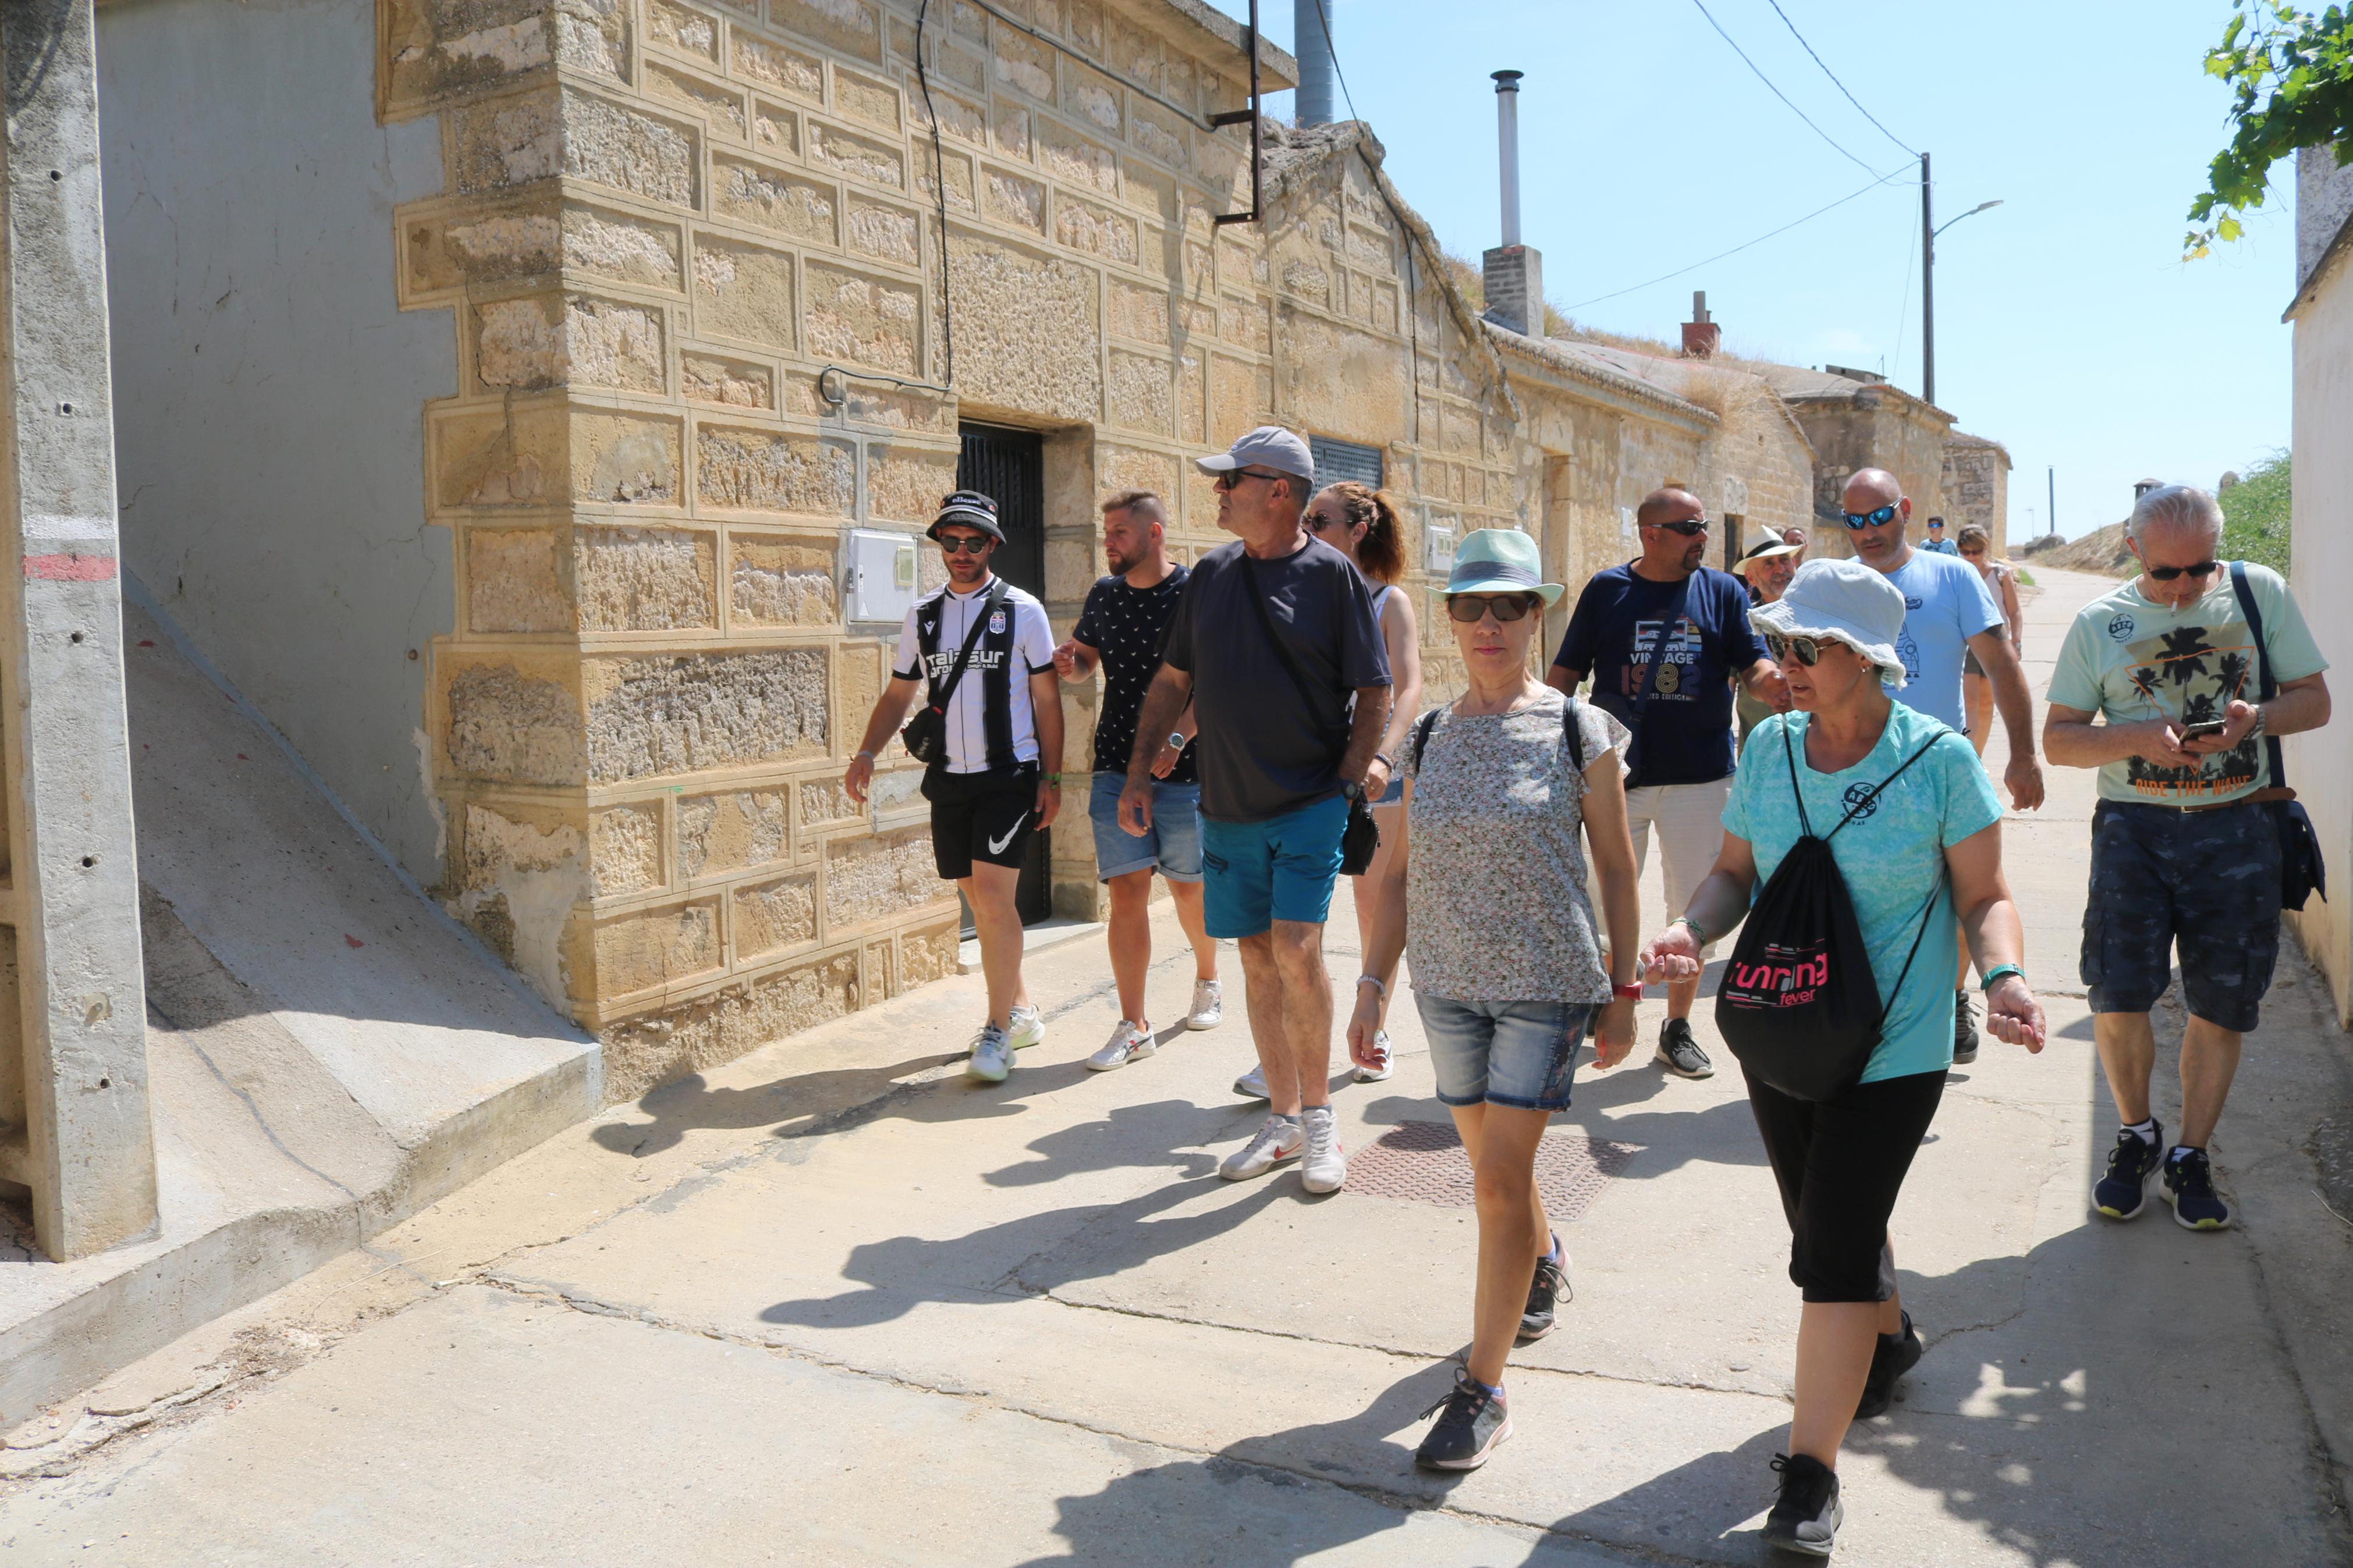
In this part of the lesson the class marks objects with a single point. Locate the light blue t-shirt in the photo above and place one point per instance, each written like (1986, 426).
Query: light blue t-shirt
(1891, 856)
(1941, 546)
(1945, 603)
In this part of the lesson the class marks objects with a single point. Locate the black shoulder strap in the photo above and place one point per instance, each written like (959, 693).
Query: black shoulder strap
(1266, 624)
(2266, 688)
(1864, 804)
(944, 695)
(1573, 733)
(1667, 627)
(1421, 729)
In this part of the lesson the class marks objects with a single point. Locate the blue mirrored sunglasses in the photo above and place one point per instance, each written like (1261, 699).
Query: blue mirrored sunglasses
(1869, 519)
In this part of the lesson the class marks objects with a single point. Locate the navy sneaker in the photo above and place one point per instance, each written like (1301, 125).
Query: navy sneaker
(1965, 1030)
(2123, 1193)
(1895, 1355)
(1807, 1516)
(1471, 1422)
(1544, 1293)
(2189, 1186)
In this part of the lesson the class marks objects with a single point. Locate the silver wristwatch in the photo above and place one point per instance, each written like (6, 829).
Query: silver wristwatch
(1175, 741)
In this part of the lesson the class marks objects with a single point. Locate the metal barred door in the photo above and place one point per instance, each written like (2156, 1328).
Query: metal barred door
(1009, 467)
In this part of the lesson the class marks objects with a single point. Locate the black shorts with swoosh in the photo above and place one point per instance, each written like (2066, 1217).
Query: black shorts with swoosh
(984, 817)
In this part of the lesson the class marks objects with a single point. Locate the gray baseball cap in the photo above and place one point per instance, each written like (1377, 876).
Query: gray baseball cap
(1268, 446)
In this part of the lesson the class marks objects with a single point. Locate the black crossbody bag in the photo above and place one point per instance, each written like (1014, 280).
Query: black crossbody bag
(925, 735)
(2302, 872)
(1361, 838)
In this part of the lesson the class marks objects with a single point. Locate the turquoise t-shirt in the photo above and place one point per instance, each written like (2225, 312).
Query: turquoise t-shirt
(1891, 857)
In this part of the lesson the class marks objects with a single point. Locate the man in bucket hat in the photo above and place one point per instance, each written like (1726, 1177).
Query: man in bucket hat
(1276, 646)
(1664, 637)
(998, 778)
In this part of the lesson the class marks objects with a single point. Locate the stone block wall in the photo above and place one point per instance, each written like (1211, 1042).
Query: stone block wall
(662, 221)
(1977, 488)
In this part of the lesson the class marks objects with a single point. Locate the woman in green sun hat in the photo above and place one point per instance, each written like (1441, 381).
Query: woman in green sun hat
(1487, 883)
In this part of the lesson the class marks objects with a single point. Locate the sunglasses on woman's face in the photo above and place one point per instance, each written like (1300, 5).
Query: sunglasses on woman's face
(1807, 651)
(1870, 518)
(1469, 609)
(2168, 573)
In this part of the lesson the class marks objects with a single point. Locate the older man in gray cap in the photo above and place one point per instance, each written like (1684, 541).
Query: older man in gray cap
(1276, 645)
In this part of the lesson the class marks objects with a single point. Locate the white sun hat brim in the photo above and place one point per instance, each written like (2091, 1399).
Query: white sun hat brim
(1842, 601)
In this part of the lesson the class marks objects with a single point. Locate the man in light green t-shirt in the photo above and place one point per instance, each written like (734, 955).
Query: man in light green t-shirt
(2184, 857)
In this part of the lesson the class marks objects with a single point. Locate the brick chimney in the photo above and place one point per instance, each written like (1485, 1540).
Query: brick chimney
(1701, 336)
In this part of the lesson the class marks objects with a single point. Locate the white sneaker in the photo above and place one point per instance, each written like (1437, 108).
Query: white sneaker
(1027, 1029)
(1277, 1140)
(1380, 1049)
(1251, 1084)
(992, 1056)
(1209, 1009)
(1128, 1042)
(1325, 1166)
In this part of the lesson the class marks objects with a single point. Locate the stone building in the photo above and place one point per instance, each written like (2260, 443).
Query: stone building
(1977, 487)
(2320, 762)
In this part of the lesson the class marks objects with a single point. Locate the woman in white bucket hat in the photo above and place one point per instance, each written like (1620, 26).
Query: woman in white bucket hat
(1487, 882)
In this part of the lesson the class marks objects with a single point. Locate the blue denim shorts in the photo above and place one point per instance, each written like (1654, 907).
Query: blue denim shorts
(1173, 846)
(1257, 873)
(1519, 1054)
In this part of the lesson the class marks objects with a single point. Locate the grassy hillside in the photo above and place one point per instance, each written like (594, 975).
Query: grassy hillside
(2256, 515)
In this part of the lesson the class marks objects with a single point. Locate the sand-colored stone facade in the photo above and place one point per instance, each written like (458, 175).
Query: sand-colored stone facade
(661, 220)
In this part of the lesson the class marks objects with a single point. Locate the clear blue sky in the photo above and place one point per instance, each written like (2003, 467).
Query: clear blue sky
(2068, 328)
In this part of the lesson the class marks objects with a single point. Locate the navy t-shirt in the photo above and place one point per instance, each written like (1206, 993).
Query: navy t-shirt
(1686, 731)
(1127, 624)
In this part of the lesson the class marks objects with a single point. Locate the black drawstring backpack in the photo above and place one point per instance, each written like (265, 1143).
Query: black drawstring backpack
(1799, 1003)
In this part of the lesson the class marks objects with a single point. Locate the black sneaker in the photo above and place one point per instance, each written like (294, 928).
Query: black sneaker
(1895, 1355)
(2189, 1186)
(1679, 1053)
(1544, 1291)
(1965, 1030)
(2123, 1193)
(1805, 1517)
(1474, 1422)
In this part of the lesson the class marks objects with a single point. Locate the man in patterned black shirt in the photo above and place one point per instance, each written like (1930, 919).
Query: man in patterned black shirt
(1120, 630)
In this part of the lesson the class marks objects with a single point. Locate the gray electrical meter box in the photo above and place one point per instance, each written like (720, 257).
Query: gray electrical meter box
(881, 579)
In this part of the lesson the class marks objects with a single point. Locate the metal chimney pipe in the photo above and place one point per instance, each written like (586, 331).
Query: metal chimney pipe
(1311, 45)
(1508, 134)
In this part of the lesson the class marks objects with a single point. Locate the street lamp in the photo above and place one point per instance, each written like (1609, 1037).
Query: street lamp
(1928, 233)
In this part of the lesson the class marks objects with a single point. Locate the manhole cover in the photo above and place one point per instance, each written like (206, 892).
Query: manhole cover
(1423, 1162)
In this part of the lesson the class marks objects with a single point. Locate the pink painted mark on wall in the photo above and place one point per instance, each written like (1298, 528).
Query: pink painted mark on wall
(69, 567)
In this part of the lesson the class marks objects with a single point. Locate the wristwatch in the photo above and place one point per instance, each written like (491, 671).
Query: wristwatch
(1175, 741)
(2254, 731)
(1352, 790)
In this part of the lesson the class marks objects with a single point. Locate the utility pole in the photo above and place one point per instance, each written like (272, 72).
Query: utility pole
(1928, 291)
(2052, 473)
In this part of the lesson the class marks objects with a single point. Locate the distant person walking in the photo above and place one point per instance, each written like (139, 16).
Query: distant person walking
(1767, 567)
(981, 654)
(1947, 611)
(1486, 884)
(1119, 632)
(2186, 854)
(1975, 545)
(1664, 638)
(1937, 543)
(1275, 644)
(1907, 812)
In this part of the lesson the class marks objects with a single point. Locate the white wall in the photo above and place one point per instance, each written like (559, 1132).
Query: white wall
(270, 395)
(2320, 765)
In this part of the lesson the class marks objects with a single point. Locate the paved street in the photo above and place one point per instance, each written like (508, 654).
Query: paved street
(827, 1304)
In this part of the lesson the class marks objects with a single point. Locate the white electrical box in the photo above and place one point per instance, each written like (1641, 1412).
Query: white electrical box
(1626, 522)
(880, 583)
(1439, 545)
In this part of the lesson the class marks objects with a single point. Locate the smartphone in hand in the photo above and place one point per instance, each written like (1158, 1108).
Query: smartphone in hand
(2206, 729)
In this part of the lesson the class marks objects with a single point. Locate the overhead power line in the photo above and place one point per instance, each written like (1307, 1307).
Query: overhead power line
(1736, 249)
(1778, 92)
(1851, 98)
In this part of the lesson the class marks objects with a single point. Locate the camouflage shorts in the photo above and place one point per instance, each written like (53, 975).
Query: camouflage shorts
(2204, 882)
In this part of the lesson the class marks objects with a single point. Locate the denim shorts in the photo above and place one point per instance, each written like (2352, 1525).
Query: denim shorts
(2200, 885)
(1257, 873)
(1172, 846)
(1519, 1054)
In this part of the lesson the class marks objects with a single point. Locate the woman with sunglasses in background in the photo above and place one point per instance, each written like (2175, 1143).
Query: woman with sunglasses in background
(1976, 547)
(1487, 883)
(1908, 814)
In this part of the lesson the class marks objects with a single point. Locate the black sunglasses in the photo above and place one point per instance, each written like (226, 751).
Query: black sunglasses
(1870, 518)
(1809, 651)
(962, 544)
(1233, 477)
(1689, 527)
(2168, 573)
(1471, 608)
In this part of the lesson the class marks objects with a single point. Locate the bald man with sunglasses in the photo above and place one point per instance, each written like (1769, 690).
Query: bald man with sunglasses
(1663, 636)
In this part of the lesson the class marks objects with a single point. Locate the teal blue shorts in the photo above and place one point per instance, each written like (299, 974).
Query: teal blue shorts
(1256, 873)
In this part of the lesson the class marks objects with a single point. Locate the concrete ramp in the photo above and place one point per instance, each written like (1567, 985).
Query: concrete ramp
(328, 1052)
